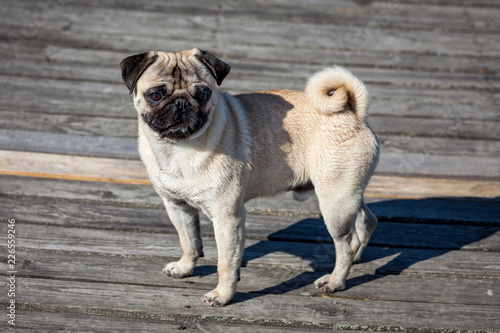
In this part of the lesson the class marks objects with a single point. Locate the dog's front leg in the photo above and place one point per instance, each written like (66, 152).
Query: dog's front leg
(186, 221)
(229, 231)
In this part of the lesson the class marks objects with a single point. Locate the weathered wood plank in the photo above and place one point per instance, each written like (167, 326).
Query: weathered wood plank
(263, 31)
(464, 100)
(266, 60)
(70, 97)
(414, 60)
(448, 128)
(426, 164)
(83, 145)
(440, 146)
(76, 124)
(80, 192)
(126, 126)
(15, 98)
(73, 167)
(277, 228)
(127, 195)
(98, 97)
(390, 162)
(64, 89)
(302, 256)
(77, 320)
(435, 79)
(430, 210)
(419, 158)
(91, 68)
(439, 211)
(111, 100)
(436, 128)
(253, 60)
(284, 32)
(389, 15)
(146, 271)
(420, 187)
(131, 171)
(319, 312)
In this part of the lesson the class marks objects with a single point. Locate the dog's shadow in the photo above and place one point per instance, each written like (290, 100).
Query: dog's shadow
(401, 238)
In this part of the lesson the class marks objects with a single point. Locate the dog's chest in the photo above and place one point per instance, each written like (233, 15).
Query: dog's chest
(184, 186)
(181, 176)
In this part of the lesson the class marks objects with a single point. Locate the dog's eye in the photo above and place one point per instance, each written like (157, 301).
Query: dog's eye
(202, 95)
(155, 96)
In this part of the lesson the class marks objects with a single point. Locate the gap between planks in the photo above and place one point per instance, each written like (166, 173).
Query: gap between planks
(108, 170)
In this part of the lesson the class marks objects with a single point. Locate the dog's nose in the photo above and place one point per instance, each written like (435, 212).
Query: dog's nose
(182, 103)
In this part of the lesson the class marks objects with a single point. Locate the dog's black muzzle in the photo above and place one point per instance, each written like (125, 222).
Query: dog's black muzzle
(177, 120)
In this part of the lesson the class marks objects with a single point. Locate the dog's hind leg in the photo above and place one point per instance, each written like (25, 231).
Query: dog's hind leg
(366, 222)
(339, 209)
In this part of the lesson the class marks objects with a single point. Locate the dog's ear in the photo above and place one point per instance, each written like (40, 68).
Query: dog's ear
(217, 67)
(133, 67)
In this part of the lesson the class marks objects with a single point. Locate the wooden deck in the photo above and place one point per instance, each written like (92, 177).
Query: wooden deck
(92, 236)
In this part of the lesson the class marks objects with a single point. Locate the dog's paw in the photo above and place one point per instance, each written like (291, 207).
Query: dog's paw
(217, 298)
(178, 270)
(326, 285)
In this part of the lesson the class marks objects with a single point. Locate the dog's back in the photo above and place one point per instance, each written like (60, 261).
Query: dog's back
(297, 135)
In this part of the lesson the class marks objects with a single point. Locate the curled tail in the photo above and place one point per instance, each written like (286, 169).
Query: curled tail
(335, 89)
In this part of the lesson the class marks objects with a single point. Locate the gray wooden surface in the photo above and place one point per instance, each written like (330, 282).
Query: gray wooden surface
(92, 235)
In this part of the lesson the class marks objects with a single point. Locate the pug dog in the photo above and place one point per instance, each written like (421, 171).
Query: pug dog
(212, 151)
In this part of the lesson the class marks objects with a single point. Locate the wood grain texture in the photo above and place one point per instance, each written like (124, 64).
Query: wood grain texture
(71, 319)
(96, 169)
(111, 99)
(418, 235)
(419, 159)
(261, 29)
(362, 285)
(281, 310)
(296, 255)
(126, 125)
(144, 196)
(93, 236)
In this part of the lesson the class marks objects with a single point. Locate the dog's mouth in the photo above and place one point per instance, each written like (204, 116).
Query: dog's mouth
(175, 122)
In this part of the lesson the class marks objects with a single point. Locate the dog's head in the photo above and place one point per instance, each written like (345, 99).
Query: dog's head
(175, 93)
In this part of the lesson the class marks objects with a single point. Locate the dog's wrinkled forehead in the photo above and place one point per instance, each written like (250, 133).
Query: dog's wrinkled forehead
(175, 69)
(178, 70)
